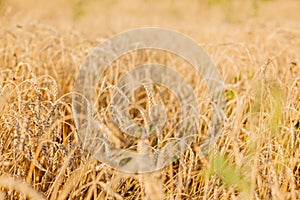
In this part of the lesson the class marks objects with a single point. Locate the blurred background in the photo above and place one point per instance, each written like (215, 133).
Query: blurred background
(110, 16)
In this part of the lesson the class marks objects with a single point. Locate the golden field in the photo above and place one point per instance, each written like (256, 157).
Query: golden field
(255, 45)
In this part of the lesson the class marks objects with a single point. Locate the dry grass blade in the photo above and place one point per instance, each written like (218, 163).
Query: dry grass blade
(19, 186)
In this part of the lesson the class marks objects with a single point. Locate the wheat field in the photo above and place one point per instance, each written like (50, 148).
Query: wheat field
(255, 45)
